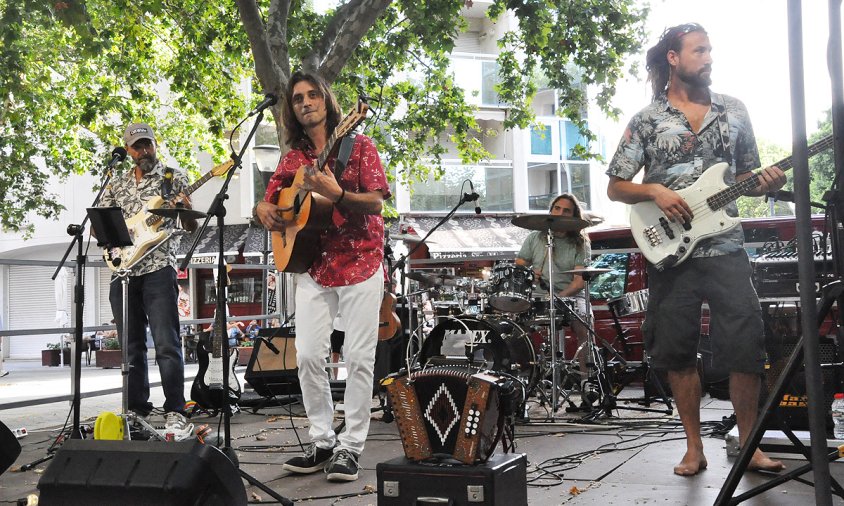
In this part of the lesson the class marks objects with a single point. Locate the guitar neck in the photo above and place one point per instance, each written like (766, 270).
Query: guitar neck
(152, 219)
(322, 158)
(735, 191)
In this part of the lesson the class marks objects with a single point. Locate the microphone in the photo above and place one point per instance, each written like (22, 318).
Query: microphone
(269, 100)
(469, 197)
(117, 156)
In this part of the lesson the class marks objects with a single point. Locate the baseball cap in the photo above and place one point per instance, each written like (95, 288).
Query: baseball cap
(137, 131)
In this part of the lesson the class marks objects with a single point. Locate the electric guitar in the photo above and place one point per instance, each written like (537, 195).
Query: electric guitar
(144, 226)
(207, 388)
(667, 243)
(308, 214)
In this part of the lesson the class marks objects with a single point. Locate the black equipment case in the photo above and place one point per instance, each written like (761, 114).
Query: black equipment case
(500, 481)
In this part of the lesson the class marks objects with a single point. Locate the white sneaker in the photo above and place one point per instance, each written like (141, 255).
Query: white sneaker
(177, 425)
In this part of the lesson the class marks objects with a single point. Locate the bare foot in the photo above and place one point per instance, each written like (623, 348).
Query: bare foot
(761, 462)
(693, 462)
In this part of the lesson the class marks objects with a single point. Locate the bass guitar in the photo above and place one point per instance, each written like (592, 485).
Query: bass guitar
(308, 214)
(667, 243)
(144, 226)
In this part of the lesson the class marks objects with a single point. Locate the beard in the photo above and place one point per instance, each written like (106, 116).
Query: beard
(147, 163)
(696, 79)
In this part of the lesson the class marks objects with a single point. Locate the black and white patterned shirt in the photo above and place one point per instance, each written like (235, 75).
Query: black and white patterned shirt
(660, 139)
(133, 197)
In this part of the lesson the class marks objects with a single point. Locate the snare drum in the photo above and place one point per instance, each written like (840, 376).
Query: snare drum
(540, 310)
(630, 303)
(512, 285)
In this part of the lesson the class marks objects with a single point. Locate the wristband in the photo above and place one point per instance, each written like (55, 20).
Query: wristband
(341, 197)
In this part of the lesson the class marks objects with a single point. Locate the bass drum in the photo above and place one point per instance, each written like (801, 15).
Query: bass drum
(492, 343)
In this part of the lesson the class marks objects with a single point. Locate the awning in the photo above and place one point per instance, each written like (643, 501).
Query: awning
(235, 238)
(469, 237)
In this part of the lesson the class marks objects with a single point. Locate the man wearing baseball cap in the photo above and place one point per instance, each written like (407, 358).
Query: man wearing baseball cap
(153, 290)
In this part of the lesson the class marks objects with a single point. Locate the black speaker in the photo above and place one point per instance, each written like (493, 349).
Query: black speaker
(792, 408)
(91, 472)
(272, 369)
(10, 448)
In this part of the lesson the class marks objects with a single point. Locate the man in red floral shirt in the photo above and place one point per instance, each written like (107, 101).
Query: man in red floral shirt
(346, 276)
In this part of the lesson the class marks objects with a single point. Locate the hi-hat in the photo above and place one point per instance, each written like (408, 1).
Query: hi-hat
(435, 279)
(182, 212)
(588, 272)
(547, 221)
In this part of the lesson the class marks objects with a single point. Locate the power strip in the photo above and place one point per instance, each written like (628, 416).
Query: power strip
(20, 433)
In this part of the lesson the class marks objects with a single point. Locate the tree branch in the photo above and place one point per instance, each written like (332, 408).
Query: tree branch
(266, 67)
(356, 20)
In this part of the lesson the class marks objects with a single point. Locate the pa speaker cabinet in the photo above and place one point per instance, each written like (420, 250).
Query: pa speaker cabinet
(272, 369)
(500, 481)
(99, 472)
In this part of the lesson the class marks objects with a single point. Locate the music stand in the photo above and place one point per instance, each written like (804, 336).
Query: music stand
(110, 227)
(111, 231)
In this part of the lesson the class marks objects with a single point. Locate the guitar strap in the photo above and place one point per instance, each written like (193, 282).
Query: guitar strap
(167, 183)
(343, 156)
(724, 129)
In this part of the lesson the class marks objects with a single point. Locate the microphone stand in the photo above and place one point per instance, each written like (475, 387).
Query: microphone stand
(400, 264)
(218, 209)
(76, 232)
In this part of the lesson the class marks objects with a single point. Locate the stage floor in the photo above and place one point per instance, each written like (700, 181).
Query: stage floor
(623, 459)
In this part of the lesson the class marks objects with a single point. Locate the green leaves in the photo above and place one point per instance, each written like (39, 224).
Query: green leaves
(76, 71)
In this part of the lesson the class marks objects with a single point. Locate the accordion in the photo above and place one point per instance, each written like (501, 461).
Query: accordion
(447, 411)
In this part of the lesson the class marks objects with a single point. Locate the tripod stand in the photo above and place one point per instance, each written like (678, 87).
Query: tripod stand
(218, 209)
(808, 346)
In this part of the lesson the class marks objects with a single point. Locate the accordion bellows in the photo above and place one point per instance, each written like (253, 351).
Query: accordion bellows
(447, 411)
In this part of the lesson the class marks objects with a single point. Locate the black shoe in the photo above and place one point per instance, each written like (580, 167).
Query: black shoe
(312, 461)
(343, 466)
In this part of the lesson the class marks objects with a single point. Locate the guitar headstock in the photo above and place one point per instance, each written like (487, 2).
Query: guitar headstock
(220, 170)
(352, 120)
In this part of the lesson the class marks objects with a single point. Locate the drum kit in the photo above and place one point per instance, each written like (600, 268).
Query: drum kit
(502, 324)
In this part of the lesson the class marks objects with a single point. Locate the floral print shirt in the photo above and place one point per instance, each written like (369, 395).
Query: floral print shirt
(132, 197)
(660, 139)
(352, 247)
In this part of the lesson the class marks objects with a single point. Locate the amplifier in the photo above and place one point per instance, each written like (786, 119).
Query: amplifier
(775, 274)
(500, 481)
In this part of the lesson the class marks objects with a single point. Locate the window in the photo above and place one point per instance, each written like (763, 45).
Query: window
(494, 184)
(489, 79)
(540, 140)
(572, 138)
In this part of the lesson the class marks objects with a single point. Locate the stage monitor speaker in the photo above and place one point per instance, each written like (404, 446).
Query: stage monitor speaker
(93, 472)
(792, 408)
(10, 448)
(272, 370)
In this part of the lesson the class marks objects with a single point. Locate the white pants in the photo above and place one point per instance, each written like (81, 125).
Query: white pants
(316, 307)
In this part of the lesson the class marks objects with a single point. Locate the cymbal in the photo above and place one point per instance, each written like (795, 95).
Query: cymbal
(183, 212)
(434, 279)
(547, 221)
(588, 271)
(405, 237)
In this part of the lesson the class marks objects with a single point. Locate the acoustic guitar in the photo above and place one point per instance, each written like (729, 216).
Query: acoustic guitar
(308, 214)
(388, 320)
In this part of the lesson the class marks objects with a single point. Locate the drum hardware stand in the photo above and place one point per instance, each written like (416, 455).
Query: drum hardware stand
(218, 209)
(642, 370)
(403, 261)
(808, 346)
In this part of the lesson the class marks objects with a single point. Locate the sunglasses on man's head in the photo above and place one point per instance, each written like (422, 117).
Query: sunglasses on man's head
(675, 32)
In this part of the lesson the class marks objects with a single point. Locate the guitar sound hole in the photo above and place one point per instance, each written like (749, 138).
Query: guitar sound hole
(297, 204)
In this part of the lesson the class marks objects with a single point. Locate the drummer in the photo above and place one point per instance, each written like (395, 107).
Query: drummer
(572, 250)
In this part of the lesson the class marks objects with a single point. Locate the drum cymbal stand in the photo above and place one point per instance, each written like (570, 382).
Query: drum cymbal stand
(552, 313)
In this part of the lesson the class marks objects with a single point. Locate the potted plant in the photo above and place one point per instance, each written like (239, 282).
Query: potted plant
(50, 357)
(109, 355)
(244, 351)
